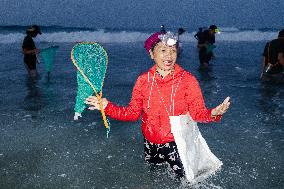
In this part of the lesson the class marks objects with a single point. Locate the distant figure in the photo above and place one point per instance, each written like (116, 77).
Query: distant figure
(198, 34)
(30, 51)
(163, 29)
(180, 31)
(179, 44)
(272, 65)
(206, 45)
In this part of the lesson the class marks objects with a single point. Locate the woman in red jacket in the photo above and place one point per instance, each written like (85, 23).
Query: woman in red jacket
(165, 90)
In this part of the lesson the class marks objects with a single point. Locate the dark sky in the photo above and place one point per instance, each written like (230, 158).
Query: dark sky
(144, 13)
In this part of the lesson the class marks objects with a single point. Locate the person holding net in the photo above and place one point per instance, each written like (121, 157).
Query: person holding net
(164, 90)
(30, 51)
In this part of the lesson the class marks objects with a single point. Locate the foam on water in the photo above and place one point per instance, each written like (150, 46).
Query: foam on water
(40, 142)
(227, 34)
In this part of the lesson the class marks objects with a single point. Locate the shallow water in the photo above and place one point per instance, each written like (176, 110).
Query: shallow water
(42, 147)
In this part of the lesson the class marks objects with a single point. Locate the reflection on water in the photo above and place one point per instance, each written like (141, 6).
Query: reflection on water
(270, 93)
(207, 81)
(248, 140)
(206, 74)
(269, 103)
(35, 98)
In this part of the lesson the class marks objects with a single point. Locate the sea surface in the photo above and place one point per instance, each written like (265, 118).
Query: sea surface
(42, 147)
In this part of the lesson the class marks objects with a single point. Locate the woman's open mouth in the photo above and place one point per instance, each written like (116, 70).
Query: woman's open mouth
(168, 63)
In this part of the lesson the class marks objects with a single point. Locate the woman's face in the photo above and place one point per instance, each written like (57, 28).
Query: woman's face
(164, 56)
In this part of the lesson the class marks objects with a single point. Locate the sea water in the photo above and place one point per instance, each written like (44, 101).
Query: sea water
(42, 147)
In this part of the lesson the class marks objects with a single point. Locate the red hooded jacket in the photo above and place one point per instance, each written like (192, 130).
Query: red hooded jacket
(157, 98)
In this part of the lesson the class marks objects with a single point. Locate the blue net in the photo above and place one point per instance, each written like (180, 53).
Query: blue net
(48, 55)
(91, 61)
(210, 48)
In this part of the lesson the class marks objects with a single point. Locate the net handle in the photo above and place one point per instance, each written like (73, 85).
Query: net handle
(99, 96)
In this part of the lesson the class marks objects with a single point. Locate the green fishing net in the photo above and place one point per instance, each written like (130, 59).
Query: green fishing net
(91, 62)
(210, 48)
(48, 55)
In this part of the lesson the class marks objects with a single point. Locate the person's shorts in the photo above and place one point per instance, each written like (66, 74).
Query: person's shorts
(31, 63)
(276, 78)
(204, 57)
(160, 153)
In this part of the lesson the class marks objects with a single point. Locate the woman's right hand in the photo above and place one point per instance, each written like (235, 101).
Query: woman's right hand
(95, 102)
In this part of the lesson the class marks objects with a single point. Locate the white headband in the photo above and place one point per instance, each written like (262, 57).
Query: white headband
(168, 38)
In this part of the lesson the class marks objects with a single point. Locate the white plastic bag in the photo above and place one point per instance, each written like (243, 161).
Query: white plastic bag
(197, 159)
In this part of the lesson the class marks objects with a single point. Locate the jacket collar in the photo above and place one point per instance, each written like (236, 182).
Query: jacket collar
(178, 70)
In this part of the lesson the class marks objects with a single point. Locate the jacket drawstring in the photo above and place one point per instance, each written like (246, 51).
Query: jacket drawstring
(173, 94)
(149, 98)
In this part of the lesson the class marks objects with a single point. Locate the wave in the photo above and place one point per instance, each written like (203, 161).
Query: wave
(108, 36)
(229, 29)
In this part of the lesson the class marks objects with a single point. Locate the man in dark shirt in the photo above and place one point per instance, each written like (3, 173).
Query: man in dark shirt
(206, 45)
(276, 77)
(272, 51)
(30, 51)
(198, 34)
(179, 44)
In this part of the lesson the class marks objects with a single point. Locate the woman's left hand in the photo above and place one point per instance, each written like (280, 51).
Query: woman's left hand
(222, 108)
